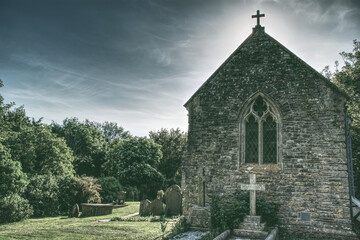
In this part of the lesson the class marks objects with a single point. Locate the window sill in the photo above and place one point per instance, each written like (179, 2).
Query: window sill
(260, 167)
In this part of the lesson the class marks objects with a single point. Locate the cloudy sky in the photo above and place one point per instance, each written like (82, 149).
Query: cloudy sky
(136, 62)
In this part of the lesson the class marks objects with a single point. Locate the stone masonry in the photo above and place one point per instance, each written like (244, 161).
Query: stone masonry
(310, 179)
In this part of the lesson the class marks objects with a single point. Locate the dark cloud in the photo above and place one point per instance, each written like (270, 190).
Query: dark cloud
(137, 61)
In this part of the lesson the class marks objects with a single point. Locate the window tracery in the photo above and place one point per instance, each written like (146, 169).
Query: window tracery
(260, 125)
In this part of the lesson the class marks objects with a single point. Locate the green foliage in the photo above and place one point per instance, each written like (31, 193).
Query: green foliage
(111, 131)
(69, 193)
(348, 79)
(180, 226)
(173, 147)
(163, 226)
(14, 208)
(228, 211)
(87, 143)
(40, 151)
(89, 190)
(133, 162)
(110, 186)
(12, 179)
(77, 190)
(267, 211)
(42, 193)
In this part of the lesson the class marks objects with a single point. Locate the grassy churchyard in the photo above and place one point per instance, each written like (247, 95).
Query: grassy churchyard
(63, 227)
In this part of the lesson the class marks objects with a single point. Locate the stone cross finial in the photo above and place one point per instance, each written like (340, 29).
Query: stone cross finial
(258, 16)
(252, 187)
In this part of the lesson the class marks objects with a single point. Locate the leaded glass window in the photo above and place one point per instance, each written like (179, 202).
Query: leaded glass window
(261, 133)
(252, 140)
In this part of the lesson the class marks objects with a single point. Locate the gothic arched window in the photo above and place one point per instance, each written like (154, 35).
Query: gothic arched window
(259, 132)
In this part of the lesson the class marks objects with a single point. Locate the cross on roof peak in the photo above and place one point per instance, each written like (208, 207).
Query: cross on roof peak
(258, 16)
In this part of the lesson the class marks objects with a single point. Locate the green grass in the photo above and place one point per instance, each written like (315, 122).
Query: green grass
(85, 228)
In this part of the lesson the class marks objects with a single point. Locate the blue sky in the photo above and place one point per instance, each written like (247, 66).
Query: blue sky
(137, 62)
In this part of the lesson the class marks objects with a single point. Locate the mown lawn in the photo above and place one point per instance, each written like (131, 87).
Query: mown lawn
(85, 228)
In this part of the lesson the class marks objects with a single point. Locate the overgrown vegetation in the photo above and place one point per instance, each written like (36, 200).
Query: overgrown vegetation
(228, 211)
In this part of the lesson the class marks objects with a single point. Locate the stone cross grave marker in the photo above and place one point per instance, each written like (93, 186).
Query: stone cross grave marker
(252, 187)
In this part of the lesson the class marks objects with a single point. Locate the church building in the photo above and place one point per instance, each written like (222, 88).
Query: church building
(264, 111)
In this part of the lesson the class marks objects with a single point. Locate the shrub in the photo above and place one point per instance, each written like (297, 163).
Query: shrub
(110, 186)
(228, 211)
(74, 190)
(14, 208)
(89, 190)
(12, 179)
(69, 193)
(180, 226)
(132, 193)
(42, 193)
(267, 211)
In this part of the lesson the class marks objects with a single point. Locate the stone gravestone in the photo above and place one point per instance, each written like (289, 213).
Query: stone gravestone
(173, 200)
(145, 208)
(156, 207)
(75, 211)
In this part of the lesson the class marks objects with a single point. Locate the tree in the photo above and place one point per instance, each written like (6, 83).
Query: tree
(14, 208)
(86, 141)
(12, 178)
(112, 131)
(348, 79)
(173, 147)
(43, 195)
(110, 186)
(39, 151)
(134, 163)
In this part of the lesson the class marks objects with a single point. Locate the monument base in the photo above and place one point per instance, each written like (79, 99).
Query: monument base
(251, 228)
(200, 218)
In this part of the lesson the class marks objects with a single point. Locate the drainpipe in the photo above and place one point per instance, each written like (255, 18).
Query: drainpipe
(349, 162)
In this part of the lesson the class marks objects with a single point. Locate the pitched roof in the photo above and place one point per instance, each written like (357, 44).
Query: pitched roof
(257, 38)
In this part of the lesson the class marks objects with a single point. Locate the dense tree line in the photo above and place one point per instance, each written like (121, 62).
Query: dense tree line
(45, 169)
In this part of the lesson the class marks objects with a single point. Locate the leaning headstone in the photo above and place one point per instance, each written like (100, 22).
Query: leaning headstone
(75, 211)
(145, 208)
(173, 200)
(157, 207)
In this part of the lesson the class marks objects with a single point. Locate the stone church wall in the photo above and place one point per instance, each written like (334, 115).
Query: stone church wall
(311, 174)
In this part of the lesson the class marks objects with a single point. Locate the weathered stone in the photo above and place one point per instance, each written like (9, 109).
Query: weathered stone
(200, 218)
(252, 187)
(157, 207)
(173, 200)
(75, 212)
(309, 170)
(93, 209)
(145, 208)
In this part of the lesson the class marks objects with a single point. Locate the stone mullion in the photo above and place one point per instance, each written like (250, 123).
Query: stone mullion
(260, 141)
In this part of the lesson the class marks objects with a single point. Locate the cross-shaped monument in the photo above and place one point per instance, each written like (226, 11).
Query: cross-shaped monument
(253, 187)
(258, 16)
